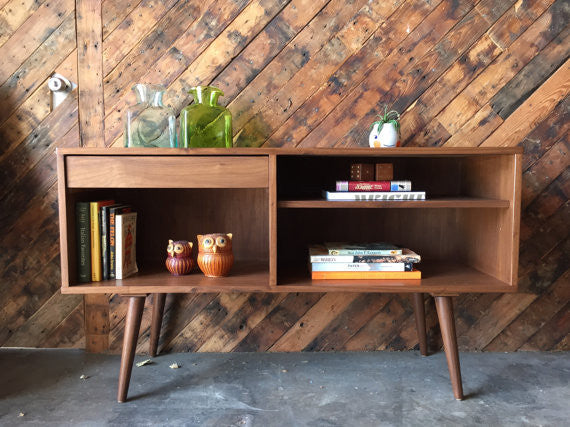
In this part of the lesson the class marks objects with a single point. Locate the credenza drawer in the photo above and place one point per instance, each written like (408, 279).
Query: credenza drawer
(166, 171)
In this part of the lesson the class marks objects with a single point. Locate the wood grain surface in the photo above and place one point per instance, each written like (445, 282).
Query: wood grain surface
(295, 73)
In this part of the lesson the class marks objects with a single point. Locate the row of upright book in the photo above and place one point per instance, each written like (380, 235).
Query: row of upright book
(362, 261)
(106, 240)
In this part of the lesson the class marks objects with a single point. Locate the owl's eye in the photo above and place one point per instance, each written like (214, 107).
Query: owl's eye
(221, 242)
(208, 242)
(169, 248)
(178, 249)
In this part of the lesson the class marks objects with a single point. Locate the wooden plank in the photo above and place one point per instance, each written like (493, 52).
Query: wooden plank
(349, 322)
(447, 86)
(96, 311)
(377, 84)
(232, 330)
(280, 105)
(43, 320)
(31, 34)
(13, 14)
(30, 151)
(69, 333)
(551, 333)
(533, 75)
(351, 73)
(90, 72)
(304, 331)
(37, 67)
(114, 12)
(476, 129)
(535, 109)
(277, 322)
(544, 308)
(545, 171)
(292, 58)
(500, 71)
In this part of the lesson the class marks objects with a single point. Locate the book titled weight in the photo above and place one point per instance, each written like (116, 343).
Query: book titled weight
(373, 195)
(344, 248)
(361, 266)
(319, 253)
(125, 242)
(373, 186)
(96, 265)
(372, 275)
(83, 227)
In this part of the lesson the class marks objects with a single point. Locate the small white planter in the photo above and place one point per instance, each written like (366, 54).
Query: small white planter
(383, 135)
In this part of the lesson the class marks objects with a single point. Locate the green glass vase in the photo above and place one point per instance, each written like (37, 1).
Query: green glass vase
(205, 123)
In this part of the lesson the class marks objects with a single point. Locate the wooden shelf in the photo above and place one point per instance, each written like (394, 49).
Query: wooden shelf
(245, 276)
(437, 277)
(451, 202)
(251, 276)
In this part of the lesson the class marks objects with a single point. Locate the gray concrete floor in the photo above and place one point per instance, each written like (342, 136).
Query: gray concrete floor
(296, 389)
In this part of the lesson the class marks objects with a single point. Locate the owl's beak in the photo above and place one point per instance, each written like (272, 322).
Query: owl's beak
(215, 248)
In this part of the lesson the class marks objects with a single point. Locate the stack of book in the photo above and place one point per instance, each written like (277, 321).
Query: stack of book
(362, 261)
(106, 241)
(374, 190)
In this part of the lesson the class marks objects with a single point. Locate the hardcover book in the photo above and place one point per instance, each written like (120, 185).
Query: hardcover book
(96, 268)
(105, 244)
(319, 253)
(361, 266)
(125, 241)
(372, 275)
(373, 186)
(344, 248)
(374, 195)
(83, 226)
(113, 211)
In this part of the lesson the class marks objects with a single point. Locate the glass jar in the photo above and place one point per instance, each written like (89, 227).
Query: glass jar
(205, 123)
(149, 123)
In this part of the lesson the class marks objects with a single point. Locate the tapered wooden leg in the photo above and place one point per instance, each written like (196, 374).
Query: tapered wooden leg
(444, 308)
(130, 337)
(420, 313)
(157, 313)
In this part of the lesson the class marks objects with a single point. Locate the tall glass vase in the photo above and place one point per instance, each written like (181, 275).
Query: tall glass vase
(149, 123)
(205, 123)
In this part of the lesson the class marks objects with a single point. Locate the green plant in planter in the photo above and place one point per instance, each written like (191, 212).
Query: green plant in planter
(386, 131)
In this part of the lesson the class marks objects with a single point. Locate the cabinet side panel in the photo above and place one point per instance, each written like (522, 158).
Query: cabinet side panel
(272, 191)
(63, 222)
(490, 235)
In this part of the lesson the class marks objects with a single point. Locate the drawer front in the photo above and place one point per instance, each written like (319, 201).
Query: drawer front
(166, 172)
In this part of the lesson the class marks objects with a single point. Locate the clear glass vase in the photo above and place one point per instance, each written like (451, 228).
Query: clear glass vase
(205, 123)
(149, 123)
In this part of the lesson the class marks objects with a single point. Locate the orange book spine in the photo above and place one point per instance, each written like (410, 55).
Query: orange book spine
(320, 275)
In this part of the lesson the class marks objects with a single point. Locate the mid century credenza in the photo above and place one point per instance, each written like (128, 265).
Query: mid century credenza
(467, 231)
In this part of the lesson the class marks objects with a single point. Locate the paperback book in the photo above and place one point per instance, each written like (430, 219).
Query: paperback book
(125, 241)
(373, 195)
(372, 275)
(361, 266)
(113, 211)
(319, 253)
(343, 248)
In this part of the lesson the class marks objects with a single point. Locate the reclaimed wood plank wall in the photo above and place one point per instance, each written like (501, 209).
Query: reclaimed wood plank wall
(295, 73)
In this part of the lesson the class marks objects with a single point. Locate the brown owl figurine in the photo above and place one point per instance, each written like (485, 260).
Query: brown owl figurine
(179, 259)
(215, 256)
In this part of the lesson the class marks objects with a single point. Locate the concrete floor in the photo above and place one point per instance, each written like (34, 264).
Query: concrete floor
(296, 389)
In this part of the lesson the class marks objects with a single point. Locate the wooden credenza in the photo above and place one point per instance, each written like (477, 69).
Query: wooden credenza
(270, 199)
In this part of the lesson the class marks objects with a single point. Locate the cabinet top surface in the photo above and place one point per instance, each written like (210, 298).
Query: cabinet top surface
(372, 152)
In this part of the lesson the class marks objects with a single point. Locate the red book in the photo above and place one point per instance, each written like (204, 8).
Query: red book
(373, 186)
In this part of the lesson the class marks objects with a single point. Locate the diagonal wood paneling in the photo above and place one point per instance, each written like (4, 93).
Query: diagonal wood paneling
(297, 73)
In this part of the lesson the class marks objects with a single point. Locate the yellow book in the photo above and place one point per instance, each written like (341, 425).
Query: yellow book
(351, 275)
(96, 266)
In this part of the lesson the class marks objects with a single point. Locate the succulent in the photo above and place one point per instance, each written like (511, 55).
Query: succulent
(389, 117)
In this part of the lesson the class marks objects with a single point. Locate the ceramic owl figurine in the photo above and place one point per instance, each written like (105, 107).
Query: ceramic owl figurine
(215, 256)
(179, 259)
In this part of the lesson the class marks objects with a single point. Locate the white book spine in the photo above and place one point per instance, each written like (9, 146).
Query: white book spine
(375, 195)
